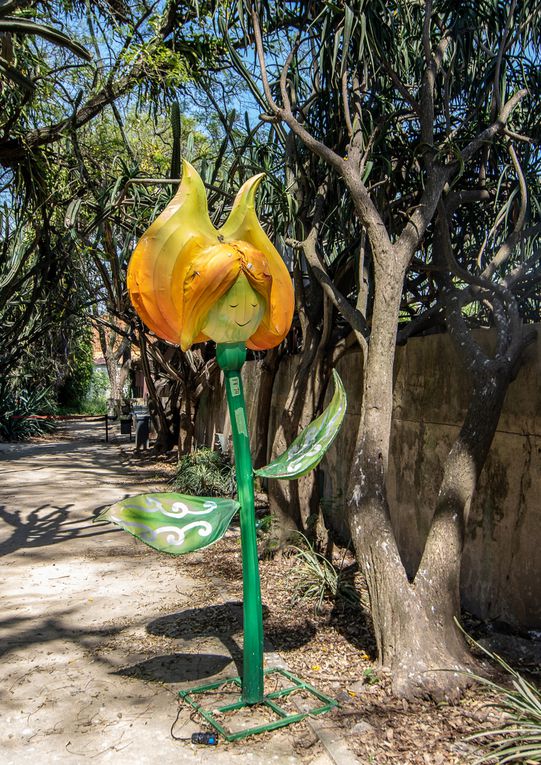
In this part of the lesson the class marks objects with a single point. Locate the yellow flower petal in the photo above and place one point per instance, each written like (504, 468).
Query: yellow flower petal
(182, 265)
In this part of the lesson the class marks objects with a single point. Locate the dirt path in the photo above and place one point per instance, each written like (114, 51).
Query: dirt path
(87, 671)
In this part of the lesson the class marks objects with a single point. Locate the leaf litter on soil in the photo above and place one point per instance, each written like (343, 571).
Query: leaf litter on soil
(334, 650)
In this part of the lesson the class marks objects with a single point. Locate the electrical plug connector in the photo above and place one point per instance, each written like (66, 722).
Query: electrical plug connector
(210, 739)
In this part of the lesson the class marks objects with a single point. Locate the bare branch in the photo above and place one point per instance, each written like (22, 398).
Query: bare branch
(496, 127)
(399, 85)
(262, 63)
(438, 176)
(498, 297)
(415, 228)
(345, 102)
(366, 209)
(426, 32)
(454, 199)
(506, 249)
(521, 271)
(350, 314)
(523, 189)
(522, 138)
(433, 64)
(283, 76)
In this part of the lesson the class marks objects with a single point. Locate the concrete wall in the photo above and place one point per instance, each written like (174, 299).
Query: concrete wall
(501, 574)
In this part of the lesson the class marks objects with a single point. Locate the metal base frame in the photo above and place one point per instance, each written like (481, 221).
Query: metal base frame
(269, 700)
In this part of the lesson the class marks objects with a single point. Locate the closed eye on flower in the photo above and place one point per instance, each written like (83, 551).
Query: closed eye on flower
(191, 282)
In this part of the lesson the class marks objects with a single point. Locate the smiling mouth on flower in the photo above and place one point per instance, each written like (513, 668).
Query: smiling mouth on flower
(243, 325)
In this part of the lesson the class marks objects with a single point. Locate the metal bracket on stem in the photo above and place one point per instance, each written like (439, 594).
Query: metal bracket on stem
(270, 701)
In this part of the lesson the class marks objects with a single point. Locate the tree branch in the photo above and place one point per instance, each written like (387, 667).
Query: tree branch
(496, 127)
(366, 209)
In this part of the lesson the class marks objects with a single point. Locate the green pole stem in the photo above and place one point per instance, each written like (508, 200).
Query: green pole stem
(231, 357)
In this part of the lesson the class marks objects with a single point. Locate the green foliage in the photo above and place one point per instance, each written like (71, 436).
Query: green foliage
(21, 410)
(384, 41)
(519, 738)
(38, 296)
(159, 63)
(264, 524)
(18, 25)
(370, 677)
(62, 175)
(315, 579)
(96, 399)
(75, 388)
(205, 473)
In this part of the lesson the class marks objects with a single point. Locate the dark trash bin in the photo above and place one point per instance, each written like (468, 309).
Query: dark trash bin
(141, 422)
(125, 426)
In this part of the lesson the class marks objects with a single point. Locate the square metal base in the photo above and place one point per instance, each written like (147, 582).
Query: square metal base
(269, 701)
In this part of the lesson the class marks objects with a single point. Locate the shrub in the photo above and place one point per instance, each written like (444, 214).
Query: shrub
(96, 399)
(76, 385)
(205, 473)
(20, 412)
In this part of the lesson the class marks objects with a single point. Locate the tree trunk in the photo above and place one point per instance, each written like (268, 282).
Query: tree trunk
(410, 641)
(165, 439)
(260, 445)
(295, 504)
(415, 622)
(187, 422)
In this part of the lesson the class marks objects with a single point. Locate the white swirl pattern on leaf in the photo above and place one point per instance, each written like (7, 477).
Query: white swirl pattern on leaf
(179, 509)
(176, 536)
(300, 462)
(153, 505)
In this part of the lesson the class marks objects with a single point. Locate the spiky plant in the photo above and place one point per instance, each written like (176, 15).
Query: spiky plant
(23, 414)
(518, 739)
(205, 473)
(317, 579)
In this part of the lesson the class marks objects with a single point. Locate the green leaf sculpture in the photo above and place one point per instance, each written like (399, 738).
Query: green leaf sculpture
(173, 523)
(307, 450)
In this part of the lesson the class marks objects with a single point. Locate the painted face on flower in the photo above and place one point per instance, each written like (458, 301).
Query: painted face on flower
(236, 316)
(190, 282)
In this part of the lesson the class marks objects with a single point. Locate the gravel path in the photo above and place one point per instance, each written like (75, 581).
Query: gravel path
(84, 676)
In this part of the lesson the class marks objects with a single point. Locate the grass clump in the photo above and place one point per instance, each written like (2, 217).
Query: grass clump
(205, 473)
(316, 579)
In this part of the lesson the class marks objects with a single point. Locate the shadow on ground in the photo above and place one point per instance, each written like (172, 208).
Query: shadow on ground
(19, 632)
(44, 526)
(224, 622)
(177, 667)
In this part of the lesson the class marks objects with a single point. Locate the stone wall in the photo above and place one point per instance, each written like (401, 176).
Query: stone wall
(501, 574)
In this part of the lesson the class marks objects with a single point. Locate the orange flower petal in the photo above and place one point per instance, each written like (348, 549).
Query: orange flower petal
(178, 269)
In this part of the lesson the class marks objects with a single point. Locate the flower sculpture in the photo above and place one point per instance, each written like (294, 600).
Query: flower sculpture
(183, 268)
(191, 282)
